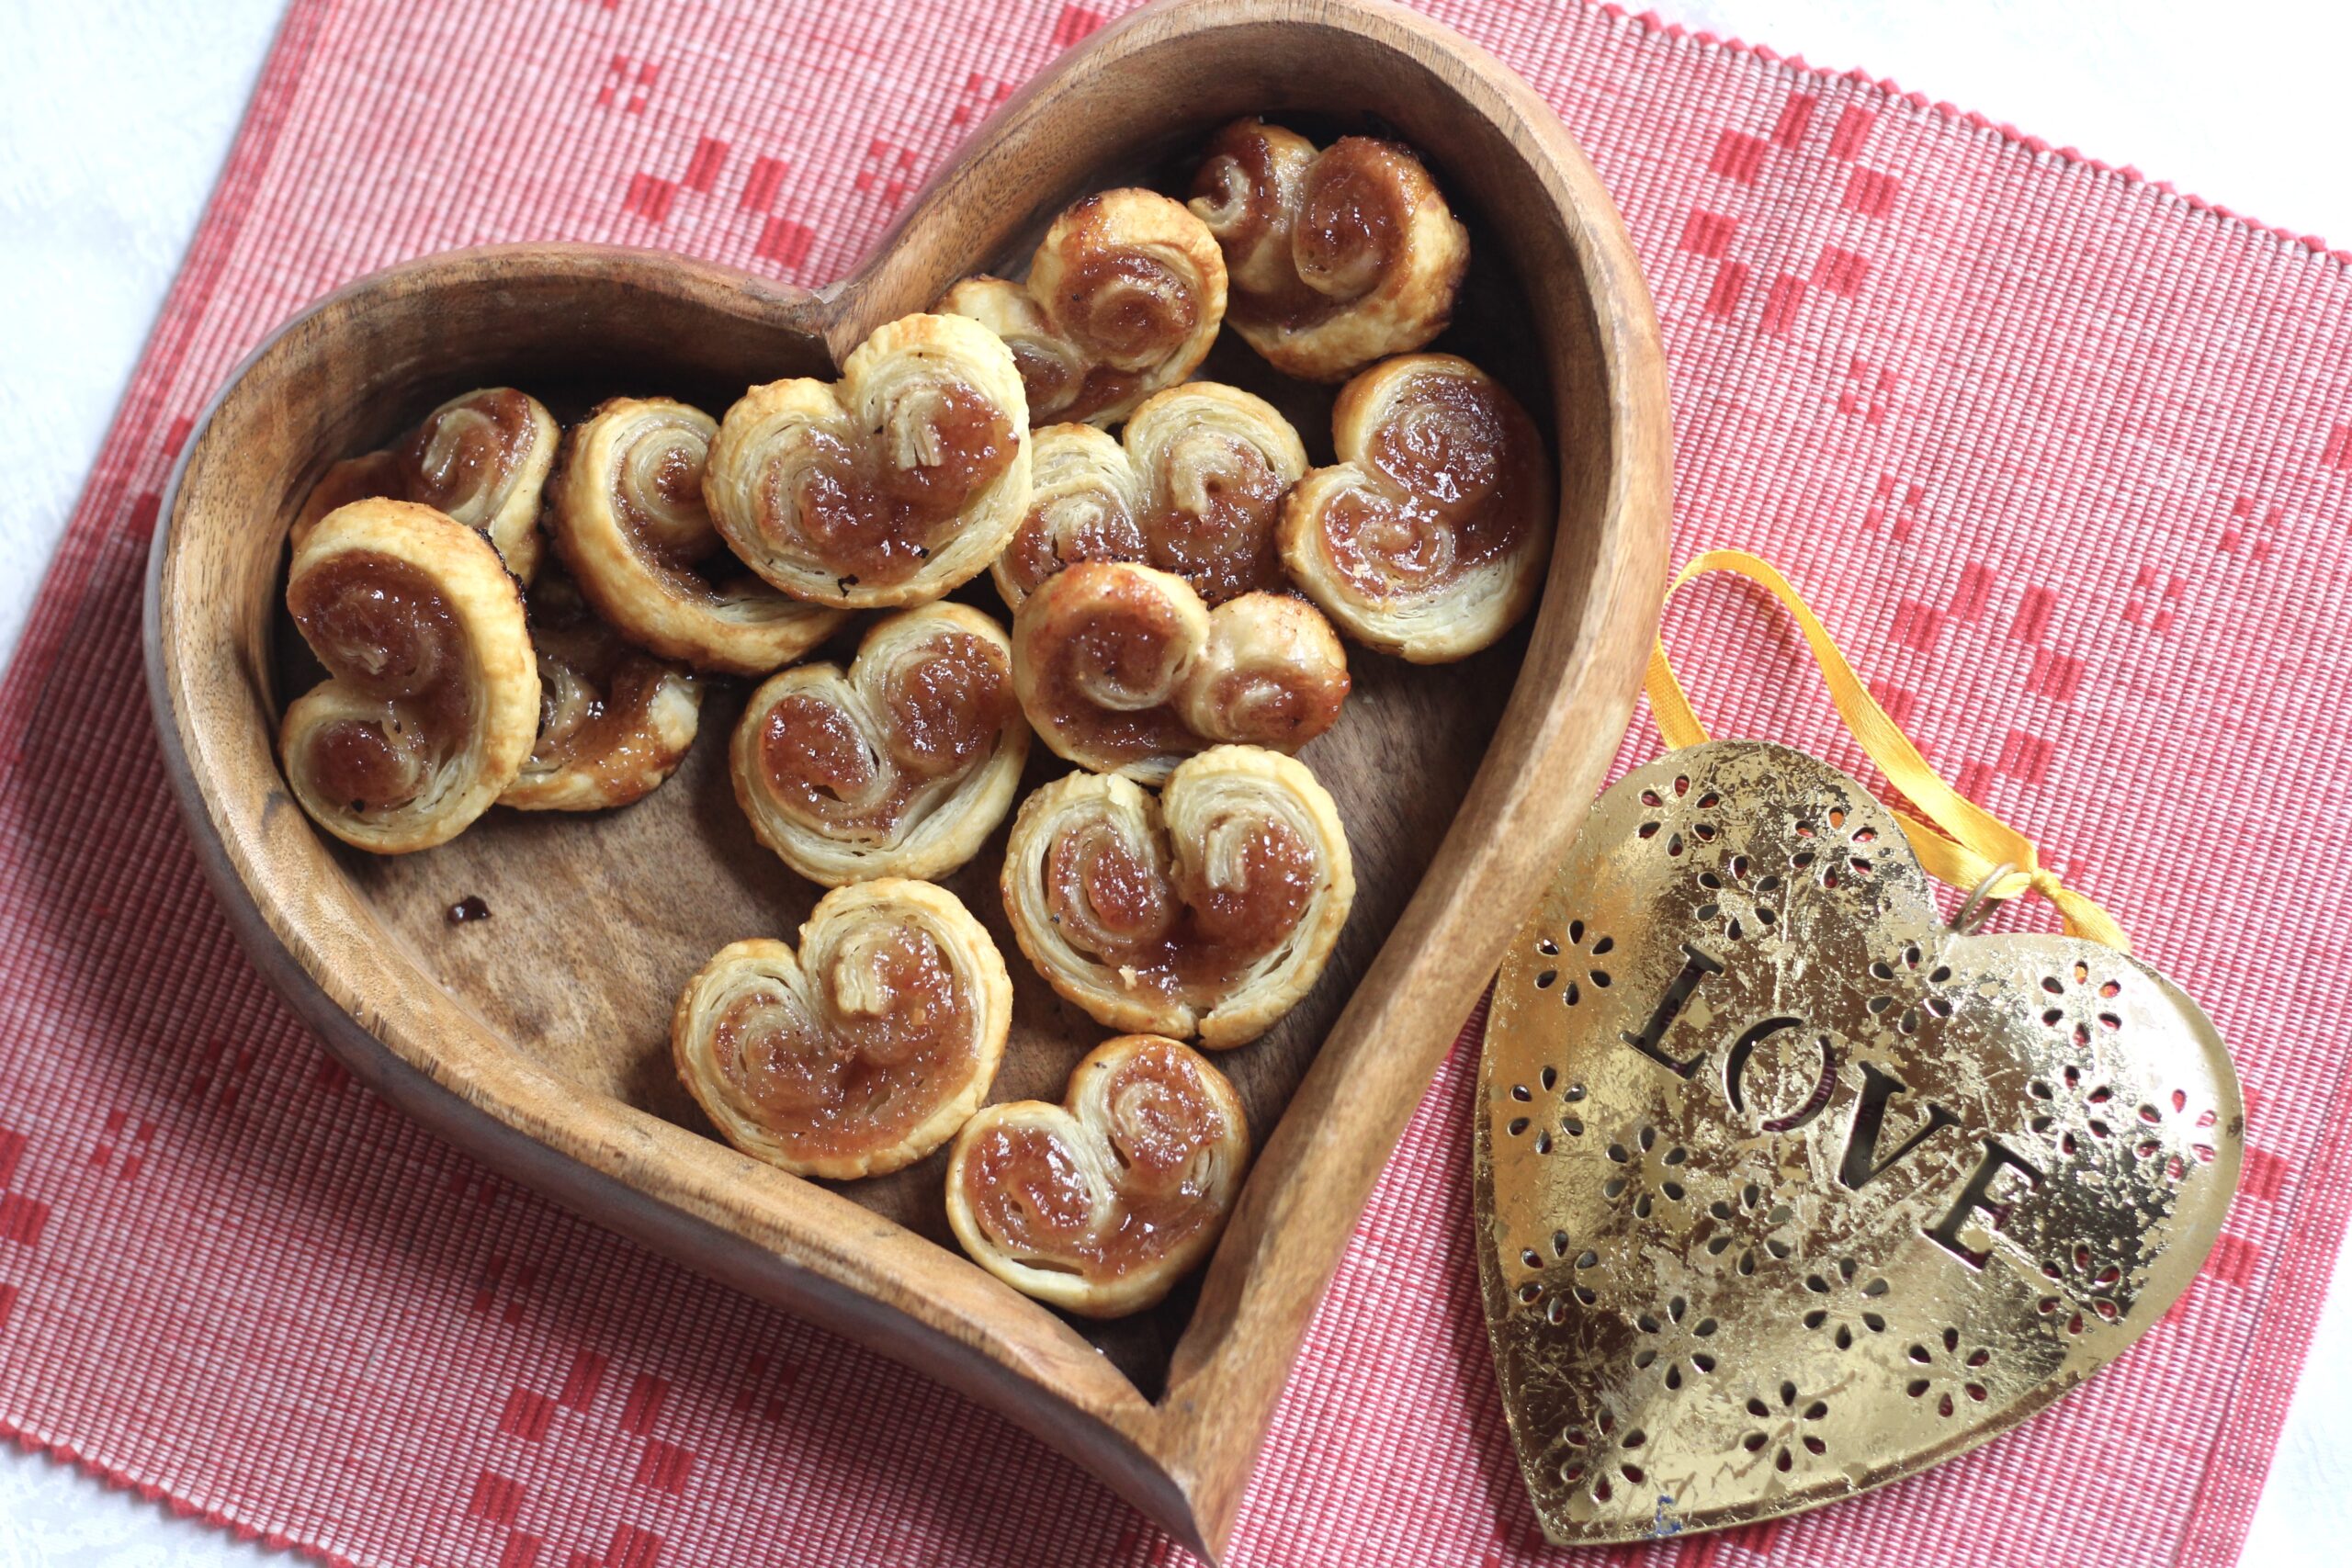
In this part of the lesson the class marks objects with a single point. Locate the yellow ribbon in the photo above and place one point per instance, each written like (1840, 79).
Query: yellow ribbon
(1959, 843)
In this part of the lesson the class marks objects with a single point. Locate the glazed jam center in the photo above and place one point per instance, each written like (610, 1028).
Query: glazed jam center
(1446, 441)
(898, 1004)
(597, 692)
(1350, 220)
(1249, 886)
(893, 1039)
(871, 504)
(1452, 449)
(1125, 307)
(1030, 1193)
(947, 704)
(1187, 932)
(1160, 1119)
(369, 764)
(1078, 525)
(1237, 186)
(1107, 895)
(1029, 1189)
(1110, 653)
(570, 711)
(459, 461)
(814, 755)
(377, 624)
(786, 1068)
(1215, 527)
(1281, 703)
(657, 491)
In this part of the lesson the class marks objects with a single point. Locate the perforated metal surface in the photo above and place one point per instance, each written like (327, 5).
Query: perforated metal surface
(1786, 1189)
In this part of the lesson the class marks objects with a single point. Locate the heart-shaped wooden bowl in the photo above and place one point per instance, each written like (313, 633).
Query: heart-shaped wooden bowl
(537, 1040)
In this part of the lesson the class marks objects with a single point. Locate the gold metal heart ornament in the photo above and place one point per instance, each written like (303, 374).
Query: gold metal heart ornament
(1785, 1189)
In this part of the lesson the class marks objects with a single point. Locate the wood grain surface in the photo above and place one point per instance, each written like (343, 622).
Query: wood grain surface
(536, 1038)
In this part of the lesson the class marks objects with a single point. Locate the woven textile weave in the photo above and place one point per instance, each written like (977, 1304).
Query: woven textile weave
(2065, 458)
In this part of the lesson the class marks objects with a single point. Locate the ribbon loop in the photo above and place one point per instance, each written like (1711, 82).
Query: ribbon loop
(1957, 841)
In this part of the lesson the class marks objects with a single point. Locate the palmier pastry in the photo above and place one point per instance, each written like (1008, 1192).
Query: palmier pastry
(481, 458)
(1122, 669)
(891, 486)
(432, 698)
(1337, 258)
(614, 720)
(626, 510)
(899, 767)
(1206, 910)
(1124, 297)
(1100, 1204)
(1428, 538)
(1196, 489)
(862, 1052)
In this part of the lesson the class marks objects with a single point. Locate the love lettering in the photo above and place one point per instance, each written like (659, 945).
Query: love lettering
(1862, 1162)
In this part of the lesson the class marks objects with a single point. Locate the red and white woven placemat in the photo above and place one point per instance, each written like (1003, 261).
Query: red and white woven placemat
(2063, 458)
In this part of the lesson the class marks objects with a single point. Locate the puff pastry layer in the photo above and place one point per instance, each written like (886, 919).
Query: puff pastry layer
(1206, 910)
(432, 700)
(1123, 668)
(859, 1054)
(1100, 1203)
(1430, 536)
(1337, 258)
(900, 765)
(1195, 487)
(625, 508)
(889, 486)
(614, 720)
(1124, 296)
(481, 458)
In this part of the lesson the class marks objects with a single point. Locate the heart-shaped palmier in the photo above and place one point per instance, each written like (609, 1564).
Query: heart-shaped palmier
(626, 510)
(1208, 910)
(432, 701)
(1122, 669)
(891, 486)
(481, 458)
(1102, 1203)
(1787, 1190)
(614, 720)
(899, 766)
(1428, 538)
(1124, 296)
(1195, 487)
(863, 1052)
(1337, 258)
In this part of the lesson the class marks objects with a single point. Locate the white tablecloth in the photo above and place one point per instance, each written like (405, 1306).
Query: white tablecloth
(115, 116)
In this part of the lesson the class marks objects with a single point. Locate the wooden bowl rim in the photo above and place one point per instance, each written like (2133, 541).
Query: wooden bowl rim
(1180, 1460)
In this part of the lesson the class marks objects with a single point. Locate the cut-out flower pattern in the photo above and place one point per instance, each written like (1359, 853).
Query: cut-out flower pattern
(1532, 1111)
(1677, 820)
(1757, 1221)
(1841, 1305)
(2076, 1007)
(1602, 1458)
(1908, 989)
(1830, 852)
(2075, 1109)
(1735, 902)
(1579, 965)
(1675, 1339)
(2085, 1286)
(1542, 1292)
(1651, 1170)
(1946, 1378)
(1789, 1424)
